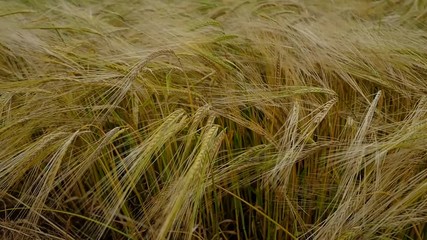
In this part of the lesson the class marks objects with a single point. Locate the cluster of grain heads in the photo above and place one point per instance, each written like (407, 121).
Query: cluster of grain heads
(213, 119)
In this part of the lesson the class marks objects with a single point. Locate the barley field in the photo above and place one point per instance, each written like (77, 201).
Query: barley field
(223, 120)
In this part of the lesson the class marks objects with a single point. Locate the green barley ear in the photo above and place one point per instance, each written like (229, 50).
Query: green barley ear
(191, 186)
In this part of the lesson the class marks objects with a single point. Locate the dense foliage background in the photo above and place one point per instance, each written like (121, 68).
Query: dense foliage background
(213, 119)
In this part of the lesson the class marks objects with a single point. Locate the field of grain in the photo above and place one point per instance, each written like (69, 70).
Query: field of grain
(199, 119)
